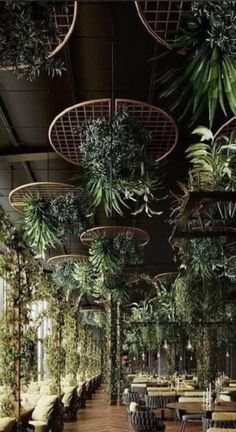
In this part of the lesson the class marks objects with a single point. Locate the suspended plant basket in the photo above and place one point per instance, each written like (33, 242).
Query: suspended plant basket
(45, 190)
(66, 143)
(227, 128)
(163, 18)
(112, 231)
(53, 261)
(64, 18)
(64, 22)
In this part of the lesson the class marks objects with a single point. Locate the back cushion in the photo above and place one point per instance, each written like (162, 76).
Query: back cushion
(133, 406)
(44, 408)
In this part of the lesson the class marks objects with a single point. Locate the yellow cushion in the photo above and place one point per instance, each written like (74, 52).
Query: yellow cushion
(161, 393)
(7, 423)
(43, 408)
(220, 430)
(133, 406)
(224, 416)
(190, 399)
(225, 398)
(67, 395)
(39, 426)
(158, 389)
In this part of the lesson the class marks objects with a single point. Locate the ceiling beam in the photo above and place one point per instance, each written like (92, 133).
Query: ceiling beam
(39, 155)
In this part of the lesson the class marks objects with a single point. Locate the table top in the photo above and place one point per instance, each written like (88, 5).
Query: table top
(199, 407)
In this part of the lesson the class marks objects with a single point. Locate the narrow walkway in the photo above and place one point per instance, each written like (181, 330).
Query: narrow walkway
(99, 417)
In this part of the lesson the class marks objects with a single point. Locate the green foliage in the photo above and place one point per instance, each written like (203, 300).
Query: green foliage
(25, 33)
(114, 164)
(40, 229)
(206, 77)
(70, 212)
(48, 223)
(28, 358)
(213, 163)
(114, 287)
(108, 254)
(185, 299)
(102, 255)
(63, 273)
(70, 344)
(6, 404)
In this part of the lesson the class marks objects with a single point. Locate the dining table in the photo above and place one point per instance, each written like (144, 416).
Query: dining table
(200, 407)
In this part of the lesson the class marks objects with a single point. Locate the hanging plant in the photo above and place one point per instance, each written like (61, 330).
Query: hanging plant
(63, 273)
(26, 32)
(206, 77)
(113, 287)
(40, 229)
(212, 163)
(48, 223)
(204, 255)
(115, 167)
(112, 254)
(70, 212)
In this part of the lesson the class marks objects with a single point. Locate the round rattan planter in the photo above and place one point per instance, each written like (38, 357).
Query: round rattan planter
(66, 143)
(112, 231)
(44, 190)
(64, 21)
(163, 18)
(53, 261)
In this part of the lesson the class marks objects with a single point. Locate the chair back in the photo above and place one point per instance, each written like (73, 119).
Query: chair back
(225, 397)
(160, 401)
(144, 421)
(129, 397)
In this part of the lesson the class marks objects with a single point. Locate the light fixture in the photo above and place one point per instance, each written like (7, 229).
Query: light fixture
(191, 358)
(189, 345)
(165, 346)
(143, 356)
(227, 354)
(181, 358)
(134, 358)
(158, 354)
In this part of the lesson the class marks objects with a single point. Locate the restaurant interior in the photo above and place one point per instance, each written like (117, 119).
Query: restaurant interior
(118, 216)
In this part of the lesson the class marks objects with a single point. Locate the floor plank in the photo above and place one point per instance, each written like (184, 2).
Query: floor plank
(99, 417)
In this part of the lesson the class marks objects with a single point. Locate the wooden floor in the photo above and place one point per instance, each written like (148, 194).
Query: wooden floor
(99, 417)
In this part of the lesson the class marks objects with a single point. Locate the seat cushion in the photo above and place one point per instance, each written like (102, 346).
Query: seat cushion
(224, 416)
(220, 430)
(7, 424)
(43, 408)
(39, 426)
(133, 406)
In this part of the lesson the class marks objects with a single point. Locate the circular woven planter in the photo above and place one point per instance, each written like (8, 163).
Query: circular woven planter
(66, 143)
(112, 231)
(227, 128)
(44, 190)
(163, 276)
(53, 261)
(162, 18)
(64, 23)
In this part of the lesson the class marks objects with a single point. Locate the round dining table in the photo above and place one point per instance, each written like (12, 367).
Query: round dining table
(199, 407)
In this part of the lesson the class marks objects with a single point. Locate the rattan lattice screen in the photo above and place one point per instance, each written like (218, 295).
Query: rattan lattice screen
(64, 17)
(67, 144)
(162, 18)
(45, 190)
(227, 128)
(53, 261)
(111, 231)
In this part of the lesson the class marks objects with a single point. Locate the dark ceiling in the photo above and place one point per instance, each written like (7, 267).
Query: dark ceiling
(27, 108)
